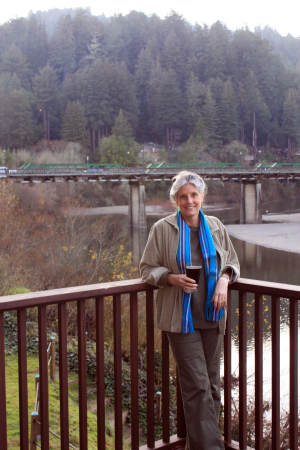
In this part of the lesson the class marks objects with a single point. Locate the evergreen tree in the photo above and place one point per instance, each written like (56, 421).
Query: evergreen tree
(195, 94)
(74, 123)
(8, 84)
(62, 48)
(82, 32)
(218, 51)
(228, 113)
(107, 88)
(259, 114)
(242, 110)
(13, 61)
(36, 44)
(46, 94)
(169, 108)
(199, 131)
(188, 152)
(291, 118)
(153, 88)
(18, 119)
(70, 89)
(123, 129)
(174, 57)
(210, 118)
(141, 81)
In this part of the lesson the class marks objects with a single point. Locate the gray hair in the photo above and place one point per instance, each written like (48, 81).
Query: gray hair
(186, 178)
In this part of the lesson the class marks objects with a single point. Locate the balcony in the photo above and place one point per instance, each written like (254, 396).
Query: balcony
(134, 288)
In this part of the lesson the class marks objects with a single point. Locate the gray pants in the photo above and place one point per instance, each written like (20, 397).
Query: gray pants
(197, 356)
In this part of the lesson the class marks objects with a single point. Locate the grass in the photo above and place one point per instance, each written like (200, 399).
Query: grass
(12, 391)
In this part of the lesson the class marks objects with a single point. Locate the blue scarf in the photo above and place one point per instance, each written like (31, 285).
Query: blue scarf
(211, 270)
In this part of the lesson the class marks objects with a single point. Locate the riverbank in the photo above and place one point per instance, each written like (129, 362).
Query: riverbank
(279, 231)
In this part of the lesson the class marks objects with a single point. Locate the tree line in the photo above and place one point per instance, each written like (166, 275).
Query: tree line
(167, 76)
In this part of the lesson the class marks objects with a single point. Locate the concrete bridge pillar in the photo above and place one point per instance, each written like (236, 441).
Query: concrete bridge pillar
(137, 211)
(250, 202)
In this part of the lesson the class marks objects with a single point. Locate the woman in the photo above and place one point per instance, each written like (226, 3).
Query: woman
(194, 322)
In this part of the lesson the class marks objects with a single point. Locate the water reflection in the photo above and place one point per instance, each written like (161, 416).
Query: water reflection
(267, 264)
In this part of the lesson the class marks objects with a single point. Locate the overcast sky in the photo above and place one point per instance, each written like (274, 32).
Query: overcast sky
(284, 17)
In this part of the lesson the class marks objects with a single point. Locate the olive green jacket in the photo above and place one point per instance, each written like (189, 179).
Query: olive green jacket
(160, 257)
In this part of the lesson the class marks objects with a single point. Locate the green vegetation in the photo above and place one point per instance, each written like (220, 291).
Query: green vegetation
(12, 399)
(74, 123)
(164, 74)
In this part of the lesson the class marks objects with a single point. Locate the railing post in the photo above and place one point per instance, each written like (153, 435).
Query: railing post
(293, 374)
(275, 373)
(227, 374)
(23, 390)
(243, 370)
(100, 372)
(134, 342)
(258, 372)
(150, 368)
(52, 361)
(3, 424)
(35, 430)
(181, 428)
(43, 384)
(63, 375)
(118, 372)
(165, 384)
(82, 385)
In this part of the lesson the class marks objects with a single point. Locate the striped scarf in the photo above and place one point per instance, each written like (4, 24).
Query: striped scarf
(211, 270)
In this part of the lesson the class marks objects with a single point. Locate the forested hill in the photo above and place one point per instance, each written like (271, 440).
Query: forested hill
(165, 74)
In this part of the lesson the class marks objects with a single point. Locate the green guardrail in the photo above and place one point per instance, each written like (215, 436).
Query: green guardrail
(192, 165)
(277, 165)
(72, 166)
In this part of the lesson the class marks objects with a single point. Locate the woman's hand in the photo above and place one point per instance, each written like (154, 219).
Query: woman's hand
(220, 294)
(181, 280)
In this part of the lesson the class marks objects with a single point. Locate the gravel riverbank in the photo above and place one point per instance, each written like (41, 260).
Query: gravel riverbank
(279, 231)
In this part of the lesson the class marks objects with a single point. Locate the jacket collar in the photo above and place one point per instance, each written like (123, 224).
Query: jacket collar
(212, 222)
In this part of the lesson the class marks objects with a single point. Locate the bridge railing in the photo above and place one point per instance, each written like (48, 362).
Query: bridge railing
(140, 292)
(148, 171)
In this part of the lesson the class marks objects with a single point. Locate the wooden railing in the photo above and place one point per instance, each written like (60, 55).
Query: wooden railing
(98, 292)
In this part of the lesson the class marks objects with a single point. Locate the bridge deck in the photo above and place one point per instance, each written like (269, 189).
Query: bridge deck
(137, 174)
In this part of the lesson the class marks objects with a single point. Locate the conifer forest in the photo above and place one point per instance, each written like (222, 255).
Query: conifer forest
(67, 74)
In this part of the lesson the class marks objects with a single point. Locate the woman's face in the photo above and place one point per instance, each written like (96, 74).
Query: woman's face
(189, 202)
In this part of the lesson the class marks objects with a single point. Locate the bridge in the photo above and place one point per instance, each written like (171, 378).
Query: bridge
(249, 178)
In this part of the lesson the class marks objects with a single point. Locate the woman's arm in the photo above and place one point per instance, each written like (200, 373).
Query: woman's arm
(151, 266)
(221, 290)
